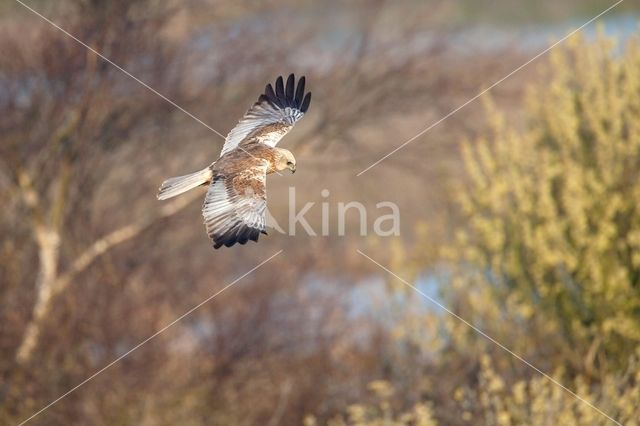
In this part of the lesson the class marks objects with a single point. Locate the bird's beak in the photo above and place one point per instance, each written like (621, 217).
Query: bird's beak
(292, 168)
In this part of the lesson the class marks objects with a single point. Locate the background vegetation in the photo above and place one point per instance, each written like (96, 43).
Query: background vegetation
(518, 215)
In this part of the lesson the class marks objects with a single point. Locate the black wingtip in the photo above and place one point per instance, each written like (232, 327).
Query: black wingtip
(240, 234)
(287, 95)
(299, 92)
(280, 89)
(269, 93)
(305, 103)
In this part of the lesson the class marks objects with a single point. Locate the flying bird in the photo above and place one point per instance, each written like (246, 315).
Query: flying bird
(234, 208)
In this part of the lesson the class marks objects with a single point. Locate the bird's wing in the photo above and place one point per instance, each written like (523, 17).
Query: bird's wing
(272, 116)
(235, 205)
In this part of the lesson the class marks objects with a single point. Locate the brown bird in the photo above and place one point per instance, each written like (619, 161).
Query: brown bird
(235, 205)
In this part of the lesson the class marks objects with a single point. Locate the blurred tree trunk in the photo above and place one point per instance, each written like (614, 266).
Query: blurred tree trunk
(74, 112)
(47, 238)
(50, 282)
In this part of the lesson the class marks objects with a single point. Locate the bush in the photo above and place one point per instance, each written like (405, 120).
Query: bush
(547, 261)
(553, 218)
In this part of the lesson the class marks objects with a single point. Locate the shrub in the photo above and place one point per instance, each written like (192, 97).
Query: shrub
(552, 211)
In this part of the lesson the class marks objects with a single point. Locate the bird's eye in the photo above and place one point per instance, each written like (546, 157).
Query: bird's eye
(289, 163)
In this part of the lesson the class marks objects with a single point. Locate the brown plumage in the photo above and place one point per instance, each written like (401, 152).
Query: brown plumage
(234, 208)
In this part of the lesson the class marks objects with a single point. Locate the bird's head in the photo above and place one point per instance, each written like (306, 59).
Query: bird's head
(285, 160)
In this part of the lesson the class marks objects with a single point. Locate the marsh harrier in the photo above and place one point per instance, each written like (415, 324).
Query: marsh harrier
(234, 208)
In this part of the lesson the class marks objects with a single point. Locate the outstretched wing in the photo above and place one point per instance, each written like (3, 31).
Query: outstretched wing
(235, 205)
(275, 113)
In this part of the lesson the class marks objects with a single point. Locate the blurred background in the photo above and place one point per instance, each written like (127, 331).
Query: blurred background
(519, 214)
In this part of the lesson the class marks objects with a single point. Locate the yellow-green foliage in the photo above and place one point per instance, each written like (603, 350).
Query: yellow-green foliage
(541, 402)
(493, 402)
(553, 211)
(380, 412)
(548, 259)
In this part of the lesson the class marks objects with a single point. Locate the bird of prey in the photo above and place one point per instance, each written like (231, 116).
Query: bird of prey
(234, 208)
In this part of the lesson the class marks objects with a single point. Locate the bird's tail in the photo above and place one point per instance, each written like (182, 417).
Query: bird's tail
(177, 185)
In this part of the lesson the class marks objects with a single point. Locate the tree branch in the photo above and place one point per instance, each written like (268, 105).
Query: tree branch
(48, 289)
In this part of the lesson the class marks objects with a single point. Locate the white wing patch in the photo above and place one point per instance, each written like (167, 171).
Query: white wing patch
(231, 217)
(269, 119)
